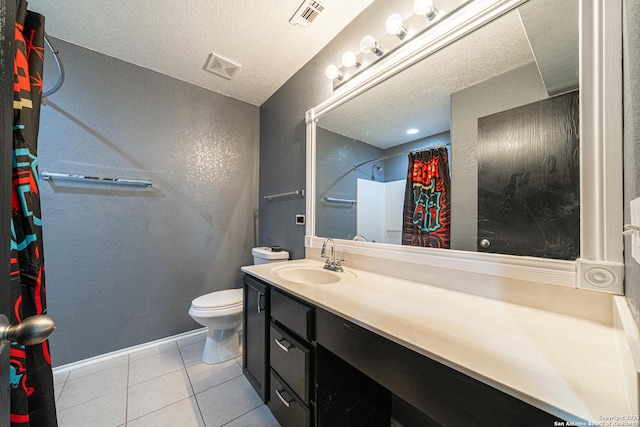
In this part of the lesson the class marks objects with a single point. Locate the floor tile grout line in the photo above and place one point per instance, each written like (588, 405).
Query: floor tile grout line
(89, 373)
(155, 378)
(127, 385)
(214, 386)
(131, 359)
(186, 372)
(195, 397)
(166, 345)
(164, 407)
(192, 395)
(66, 386)
(64, 383)
(183, 367)
(239, 416)
(88, 401)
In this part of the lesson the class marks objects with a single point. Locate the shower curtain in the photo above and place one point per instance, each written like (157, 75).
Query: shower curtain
(426, 216)
(31, 379)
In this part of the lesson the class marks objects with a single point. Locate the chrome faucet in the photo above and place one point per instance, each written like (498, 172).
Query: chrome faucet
(331, 263)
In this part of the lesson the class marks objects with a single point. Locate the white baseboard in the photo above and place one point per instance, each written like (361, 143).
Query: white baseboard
(127, 351)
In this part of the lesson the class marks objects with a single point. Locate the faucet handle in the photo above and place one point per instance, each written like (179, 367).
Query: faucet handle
(337, 266)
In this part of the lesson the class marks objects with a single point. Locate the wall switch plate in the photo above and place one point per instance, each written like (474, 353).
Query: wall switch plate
(635, 236)
(300, 219)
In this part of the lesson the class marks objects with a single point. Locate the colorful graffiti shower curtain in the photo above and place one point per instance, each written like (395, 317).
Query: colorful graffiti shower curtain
(32, 398)
(426, 216)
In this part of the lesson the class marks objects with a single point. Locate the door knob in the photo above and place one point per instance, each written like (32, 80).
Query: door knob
(32, 330)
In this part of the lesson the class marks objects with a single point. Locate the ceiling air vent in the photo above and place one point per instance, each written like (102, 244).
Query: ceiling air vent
(221, 66)
(306, 13)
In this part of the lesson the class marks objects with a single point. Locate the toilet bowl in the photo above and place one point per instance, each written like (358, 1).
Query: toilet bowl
(221, 312)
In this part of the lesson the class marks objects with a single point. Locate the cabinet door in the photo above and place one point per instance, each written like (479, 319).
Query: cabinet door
(255, 354)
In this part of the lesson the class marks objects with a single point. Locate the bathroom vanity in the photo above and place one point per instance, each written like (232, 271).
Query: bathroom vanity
(464, 336)
(457, 358)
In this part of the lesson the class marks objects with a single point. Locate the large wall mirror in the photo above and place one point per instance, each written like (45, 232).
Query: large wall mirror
(501, 102)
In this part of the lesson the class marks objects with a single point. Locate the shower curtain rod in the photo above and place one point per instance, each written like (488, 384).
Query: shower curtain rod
(56, 56)
(389, 156)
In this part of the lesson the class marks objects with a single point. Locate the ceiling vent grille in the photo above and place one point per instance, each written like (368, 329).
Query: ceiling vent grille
(221, 66)
(306, 13)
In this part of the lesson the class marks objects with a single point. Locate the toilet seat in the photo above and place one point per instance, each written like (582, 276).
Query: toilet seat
(219, 300)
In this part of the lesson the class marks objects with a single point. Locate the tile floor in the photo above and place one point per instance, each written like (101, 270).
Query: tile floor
(167, 385)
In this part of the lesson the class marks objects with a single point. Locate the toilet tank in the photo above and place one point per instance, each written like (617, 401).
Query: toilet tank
(263, 255)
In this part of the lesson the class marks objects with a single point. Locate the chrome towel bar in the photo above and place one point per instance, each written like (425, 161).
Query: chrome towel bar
(100, 179)
(288, 194)
(334, 200)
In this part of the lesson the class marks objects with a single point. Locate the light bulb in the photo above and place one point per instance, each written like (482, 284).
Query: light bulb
(425, 8)
(349, 59)
(394, 26)
(369, 44)
(332, 73)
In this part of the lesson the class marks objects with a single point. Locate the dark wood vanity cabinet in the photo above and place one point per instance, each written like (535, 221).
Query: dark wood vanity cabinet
(290, 372)
(316, 369)
(446, 396)
(255, 352)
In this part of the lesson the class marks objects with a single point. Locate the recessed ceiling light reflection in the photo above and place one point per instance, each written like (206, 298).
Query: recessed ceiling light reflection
(413, 131)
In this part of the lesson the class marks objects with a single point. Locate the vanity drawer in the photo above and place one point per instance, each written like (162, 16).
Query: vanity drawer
(293, 314)
(291, 359)
(285, 406)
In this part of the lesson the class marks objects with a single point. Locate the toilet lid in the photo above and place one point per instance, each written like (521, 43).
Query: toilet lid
(219, 299)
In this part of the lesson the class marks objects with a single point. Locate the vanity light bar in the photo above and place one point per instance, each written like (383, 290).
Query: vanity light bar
(395, 26)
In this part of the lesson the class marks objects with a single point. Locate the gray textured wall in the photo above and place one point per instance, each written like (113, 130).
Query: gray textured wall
(282, 133)
(123, 264)
(336, 156)
(631, 55)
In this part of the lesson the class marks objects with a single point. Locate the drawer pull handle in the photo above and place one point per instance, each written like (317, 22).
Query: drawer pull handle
(283, 344)
(286, 402)
(260, 295)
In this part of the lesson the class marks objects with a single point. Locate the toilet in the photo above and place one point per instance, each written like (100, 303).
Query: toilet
(221, 312)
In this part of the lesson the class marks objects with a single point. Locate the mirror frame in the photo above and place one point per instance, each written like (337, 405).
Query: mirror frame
(601, 264)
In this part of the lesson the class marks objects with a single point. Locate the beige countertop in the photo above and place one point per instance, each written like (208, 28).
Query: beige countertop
(567, 366)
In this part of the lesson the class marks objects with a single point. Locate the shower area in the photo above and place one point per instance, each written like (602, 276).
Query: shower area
(361, 188)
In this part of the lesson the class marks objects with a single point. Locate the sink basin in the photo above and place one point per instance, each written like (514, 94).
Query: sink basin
(312, 275)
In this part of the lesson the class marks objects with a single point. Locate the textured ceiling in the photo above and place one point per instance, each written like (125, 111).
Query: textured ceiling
(420, 96)
(176, 38)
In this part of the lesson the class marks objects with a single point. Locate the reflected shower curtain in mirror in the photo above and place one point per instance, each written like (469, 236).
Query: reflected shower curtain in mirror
(32, 398)
(427, 213)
